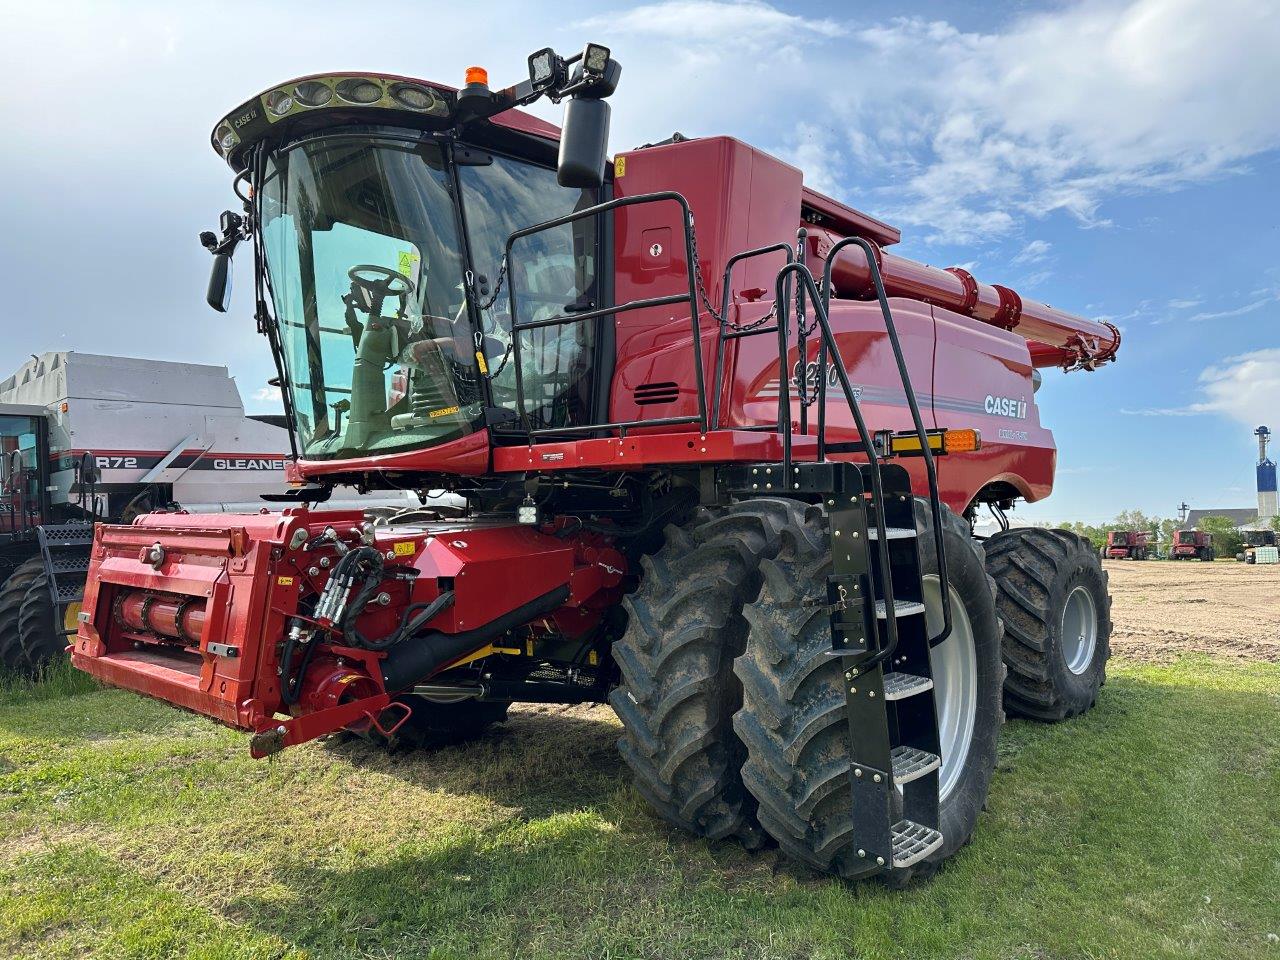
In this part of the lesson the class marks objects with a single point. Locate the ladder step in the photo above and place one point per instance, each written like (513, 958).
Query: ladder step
(911, 763)
(912, 842)
(901, 608)
(900, 685)
(892, 533)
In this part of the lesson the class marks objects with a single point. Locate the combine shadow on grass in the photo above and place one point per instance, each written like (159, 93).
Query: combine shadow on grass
(544, 760)
(1147, 828)
(1097, 842)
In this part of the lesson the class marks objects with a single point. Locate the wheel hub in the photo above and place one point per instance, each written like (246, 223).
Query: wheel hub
(954, 664)
(1079, 630)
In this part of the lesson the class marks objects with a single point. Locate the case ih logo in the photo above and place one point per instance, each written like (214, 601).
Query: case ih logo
(1005, 407)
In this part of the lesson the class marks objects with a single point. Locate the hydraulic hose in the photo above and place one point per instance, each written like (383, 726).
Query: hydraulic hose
(408, 663)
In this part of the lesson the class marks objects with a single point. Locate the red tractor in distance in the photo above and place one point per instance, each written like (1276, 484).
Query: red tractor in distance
(1191, 545)
(1130, 545)
(722, 478)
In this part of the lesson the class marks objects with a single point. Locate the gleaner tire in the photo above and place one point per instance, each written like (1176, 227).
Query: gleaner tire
(29, 636)
(793, 712)
(678, 692)
(1057, 616)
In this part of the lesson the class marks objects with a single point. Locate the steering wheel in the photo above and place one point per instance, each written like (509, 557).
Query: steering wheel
(380, 281)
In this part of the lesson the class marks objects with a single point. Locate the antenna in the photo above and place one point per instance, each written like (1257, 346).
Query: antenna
(1182, 512)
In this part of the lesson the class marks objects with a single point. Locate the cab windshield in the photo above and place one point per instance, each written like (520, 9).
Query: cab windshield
(366, 266)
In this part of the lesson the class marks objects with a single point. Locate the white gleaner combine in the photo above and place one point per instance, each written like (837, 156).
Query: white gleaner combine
(86, 438)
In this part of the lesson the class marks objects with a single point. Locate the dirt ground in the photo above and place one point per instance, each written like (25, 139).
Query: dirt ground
(1162, 609)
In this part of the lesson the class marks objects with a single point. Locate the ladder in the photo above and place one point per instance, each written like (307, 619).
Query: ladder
(894, 753)
(892, 717)
(64, 548)
(874, 593)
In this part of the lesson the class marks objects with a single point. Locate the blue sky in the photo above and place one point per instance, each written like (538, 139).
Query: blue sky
(1118, 159)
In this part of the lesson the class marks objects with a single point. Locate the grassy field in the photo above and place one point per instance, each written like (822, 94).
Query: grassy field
(1149, 828)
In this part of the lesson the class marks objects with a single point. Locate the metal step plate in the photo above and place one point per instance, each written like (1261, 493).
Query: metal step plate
(901, 608)
(68, 562)
(912, 842)
(900, 685)
(911, 763)
(891, 533)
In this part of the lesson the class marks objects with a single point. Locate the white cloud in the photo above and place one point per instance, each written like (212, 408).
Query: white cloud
(971, 134)
(1245, 388)
(713, 21)
(1033, 252)
(1065, 109)
(1034, 279)
(268, 395)
(1240, 311)
(1184, 304)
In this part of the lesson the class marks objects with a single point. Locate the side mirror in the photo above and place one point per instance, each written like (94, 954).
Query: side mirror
(88, 472)
(584, 143)
(219, 294)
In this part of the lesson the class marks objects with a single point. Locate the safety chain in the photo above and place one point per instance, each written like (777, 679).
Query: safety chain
(502, 364)
(706, 300)
(483, 305)
(697, 275)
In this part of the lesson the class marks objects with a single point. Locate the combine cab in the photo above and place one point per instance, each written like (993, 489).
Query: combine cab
(723, 479)
(1130, 545)
(1191, 545)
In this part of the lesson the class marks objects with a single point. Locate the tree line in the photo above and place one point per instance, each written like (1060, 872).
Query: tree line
(1227, 540)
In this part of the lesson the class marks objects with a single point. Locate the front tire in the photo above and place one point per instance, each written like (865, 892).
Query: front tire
(793, 713)
(1053, 599)
(678, 693)
(30, 638)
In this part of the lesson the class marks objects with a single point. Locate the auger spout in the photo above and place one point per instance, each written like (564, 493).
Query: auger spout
(1056, 338)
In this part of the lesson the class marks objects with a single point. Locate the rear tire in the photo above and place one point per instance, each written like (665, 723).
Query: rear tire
(1056, 610)
(678, 693)
(793, 713)
(30, 638)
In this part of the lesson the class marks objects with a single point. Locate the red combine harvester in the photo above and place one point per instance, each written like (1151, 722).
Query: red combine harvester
(1130, 545)
(1191, 545)
(722, 480)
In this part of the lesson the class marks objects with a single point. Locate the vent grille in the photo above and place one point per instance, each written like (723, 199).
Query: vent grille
(649, 393)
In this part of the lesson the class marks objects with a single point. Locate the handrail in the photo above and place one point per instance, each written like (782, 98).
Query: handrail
(724, 318)
(930, 466)
(595, 314)
(877, 488)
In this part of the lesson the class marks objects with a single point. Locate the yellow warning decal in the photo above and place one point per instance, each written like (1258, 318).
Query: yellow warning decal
(408, 263)
(443, 412)
(484, 367)
(619, 166)
(284, 581)
(404, 549)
